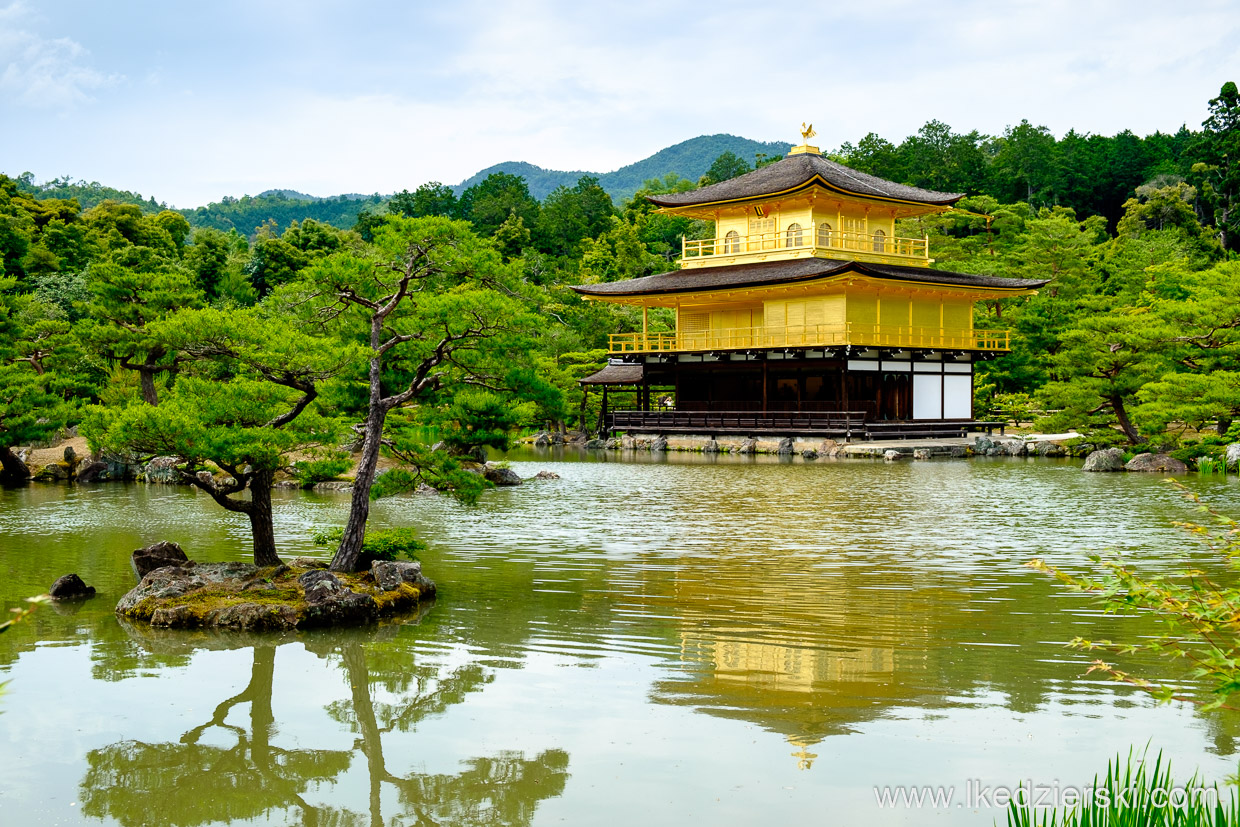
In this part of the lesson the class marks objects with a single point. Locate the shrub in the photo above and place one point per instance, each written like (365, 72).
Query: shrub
(381, 544)
(309, 472)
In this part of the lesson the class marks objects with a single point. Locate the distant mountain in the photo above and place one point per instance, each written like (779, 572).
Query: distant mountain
(688, 159)
(247, 214)
(301, 196)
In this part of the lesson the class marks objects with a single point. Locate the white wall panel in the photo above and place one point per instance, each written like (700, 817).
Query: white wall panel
(927, 396)
(957, 397)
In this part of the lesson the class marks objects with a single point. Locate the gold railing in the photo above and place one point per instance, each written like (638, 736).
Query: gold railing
(808, 238)
(822, 335)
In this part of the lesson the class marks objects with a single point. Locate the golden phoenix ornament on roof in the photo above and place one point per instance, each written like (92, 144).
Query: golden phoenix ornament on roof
(807, 132)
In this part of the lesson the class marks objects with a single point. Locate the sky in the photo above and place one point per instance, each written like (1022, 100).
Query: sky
(190, 102)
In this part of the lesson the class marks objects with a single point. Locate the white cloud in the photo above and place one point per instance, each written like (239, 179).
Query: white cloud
(43, 73)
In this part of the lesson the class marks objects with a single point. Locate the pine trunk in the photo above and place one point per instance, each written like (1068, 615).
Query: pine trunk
(350, 550)
(149, 394)
(261, 523)
(1125, 424)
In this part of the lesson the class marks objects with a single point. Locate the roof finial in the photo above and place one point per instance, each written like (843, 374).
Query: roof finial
(807, 132)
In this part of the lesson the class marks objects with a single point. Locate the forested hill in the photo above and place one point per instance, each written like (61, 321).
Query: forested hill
(247, 214)
(688, 159)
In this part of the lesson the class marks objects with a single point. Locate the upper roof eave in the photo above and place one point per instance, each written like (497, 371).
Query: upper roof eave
(736, 276)
(796, 172)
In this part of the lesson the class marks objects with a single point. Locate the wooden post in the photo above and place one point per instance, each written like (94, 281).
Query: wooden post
(764, 384)
(645, 325)
(581, 417)
(602, 414)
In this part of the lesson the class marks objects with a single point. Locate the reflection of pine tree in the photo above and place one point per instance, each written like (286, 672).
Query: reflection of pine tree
(503, 790)
(190, 783)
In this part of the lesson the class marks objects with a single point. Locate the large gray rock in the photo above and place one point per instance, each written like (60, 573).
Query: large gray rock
(54, 472)
(748, 446)
(711, 447)
(982, 445)
(1046, 448)
(70, 587)
(596, 444)
(809, 453)
(251, 617)
(389, 574)
(1012, 447)
(1156, 462)
(499, 475)
(162, 471)
(921, 453)
(542, 441)
(1107, 459)
(786, 447)
(613, 444)
(156, 556)
(829, 448)
(330, 603)
(891, 455)
(546, 475)
(119, 468)
(658, 444)
(175, 581)
(92, 472)
(1233, 456)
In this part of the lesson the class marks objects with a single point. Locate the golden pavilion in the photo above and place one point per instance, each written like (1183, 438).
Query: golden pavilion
(805, 313)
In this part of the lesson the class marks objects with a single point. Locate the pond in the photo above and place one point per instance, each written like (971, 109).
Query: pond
(662, 640)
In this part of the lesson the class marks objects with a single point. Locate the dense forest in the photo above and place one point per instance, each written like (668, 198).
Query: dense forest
(180, 333)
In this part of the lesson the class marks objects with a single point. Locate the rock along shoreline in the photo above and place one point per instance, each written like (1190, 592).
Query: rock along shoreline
(242, 596)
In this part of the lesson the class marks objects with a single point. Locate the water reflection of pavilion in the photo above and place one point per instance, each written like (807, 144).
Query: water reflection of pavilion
(809, 656)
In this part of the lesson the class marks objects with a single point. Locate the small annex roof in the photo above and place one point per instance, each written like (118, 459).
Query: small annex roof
(785, 272)
(798, 172)
(615, 374)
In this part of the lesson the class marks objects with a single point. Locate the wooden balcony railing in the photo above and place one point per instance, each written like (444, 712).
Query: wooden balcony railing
(830, 240)
(822, 335)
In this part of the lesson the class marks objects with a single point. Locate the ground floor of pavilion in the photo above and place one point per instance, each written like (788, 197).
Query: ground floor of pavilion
(845, 392)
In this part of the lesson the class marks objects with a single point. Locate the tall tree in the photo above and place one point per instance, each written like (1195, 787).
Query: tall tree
(243, 403)
(1219, 169)
(131, 289)
(431, 323)
(488, 203)
(430, 199)
(727, 166)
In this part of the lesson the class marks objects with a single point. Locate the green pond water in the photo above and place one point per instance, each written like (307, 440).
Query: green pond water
(667, 641)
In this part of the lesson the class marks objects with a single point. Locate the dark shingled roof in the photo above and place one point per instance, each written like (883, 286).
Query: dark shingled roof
(784, 272)
(798, 171)
(615, 375)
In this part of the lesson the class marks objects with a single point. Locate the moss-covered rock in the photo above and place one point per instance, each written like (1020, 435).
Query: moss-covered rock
(244, 597)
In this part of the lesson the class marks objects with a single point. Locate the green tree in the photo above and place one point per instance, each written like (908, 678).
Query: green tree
(727, 166)
(431, 325)
(128, 291)
(570, 216)
(430, 199)
(243, 403)
(488, 203)
(1219, 167)
(29, 410)
(1105, 359)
